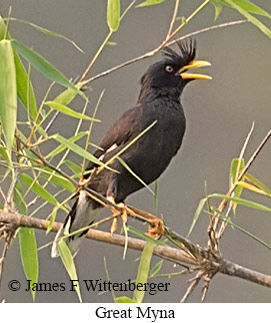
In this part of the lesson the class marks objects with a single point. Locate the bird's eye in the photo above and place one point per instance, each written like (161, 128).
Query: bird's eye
(169, 68)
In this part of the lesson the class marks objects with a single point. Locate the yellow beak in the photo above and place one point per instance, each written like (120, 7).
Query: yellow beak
(194, 64)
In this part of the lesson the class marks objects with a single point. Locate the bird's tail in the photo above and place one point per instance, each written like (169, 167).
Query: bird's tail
(81, 215)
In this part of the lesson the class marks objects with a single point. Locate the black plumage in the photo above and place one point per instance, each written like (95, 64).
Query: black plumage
(149, 156)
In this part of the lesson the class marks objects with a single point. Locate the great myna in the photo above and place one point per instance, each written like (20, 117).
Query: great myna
(148, 157)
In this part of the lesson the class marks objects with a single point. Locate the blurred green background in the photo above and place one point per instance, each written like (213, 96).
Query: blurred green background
(219, 115)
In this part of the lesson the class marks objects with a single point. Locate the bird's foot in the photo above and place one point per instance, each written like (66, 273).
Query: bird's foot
(156, 228)
(123, 213)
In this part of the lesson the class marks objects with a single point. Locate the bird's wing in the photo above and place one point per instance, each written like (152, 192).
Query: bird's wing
(121, 132)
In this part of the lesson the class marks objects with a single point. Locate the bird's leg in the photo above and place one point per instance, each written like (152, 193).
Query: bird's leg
(156, 227)
(123, 214)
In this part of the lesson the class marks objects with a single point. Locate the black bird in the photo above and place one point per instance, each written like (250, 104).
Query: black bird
(149, 156)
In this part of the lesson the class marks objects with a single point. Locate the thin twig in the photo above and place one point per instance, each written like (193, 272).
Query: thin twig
(241, 175)
(153, 52)
(191, 287)
(173, 19)
(204, 30)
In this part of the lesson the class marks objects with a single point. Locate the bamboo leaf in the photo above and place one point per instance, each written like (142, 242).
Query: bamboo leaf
(143, 271)
(237, 165)
(196, 215)
(3, 29)
(113, 14)
(68, 263)
(252, 188)
(73, 167)
(42, 65)
(19, 199)
(156, 268)
(68, 111)
(150, 3)
(8, 93)
(25, 89)
(38, 189)
(4, 154)
(58, 179)
(124, 299)
(144, 236)
(29, 255)
(60, 148)
(244, 202)
(79, 151)
(249, 7)
(68, 95)
(253, 180)
(249, 17)
(108, 278)
(48, 32)
(251, 235)
(218, 7)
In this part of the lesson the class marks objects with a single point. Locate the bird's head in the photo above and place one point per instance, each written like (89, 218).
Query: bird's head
(170, 74)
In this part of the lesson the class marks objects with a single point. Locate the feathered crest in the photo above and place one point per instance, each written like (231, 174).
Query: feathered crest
(186, 54)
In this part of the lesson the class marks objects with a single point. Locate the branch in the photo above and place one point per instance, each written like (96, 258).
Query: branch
(153, 52)
(202, 259)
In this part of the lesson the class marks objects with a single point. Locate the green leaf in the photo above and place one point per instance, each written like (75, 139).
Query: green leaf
(108, 278)
(68, 111)
(113, 14)
(68, 263)
(143, 271)
(248, 6)
(244, 202)
(124, 299)
(111, 43)
(4, 154)
(38, 189)
(218, 7)
(150, 3)
(3, 29)
(73, 167)
(42, 65)
(251, 235)
(252, 188)
(144, 236)
(19, 199)
(29, 255)
(196, 215)
(68, 95)
(58, 179)
(48, 32)
(237, 165)
(60, 148)
(53, 215)
(253, 180)
(156, 268)
(8, 93)
(25, 89)
(249, 17)
(79, 151)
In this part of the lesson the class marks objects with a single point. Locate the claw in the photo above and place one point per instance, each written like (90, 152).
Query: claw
(114, 226)
(156, 230)
(123, 214)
